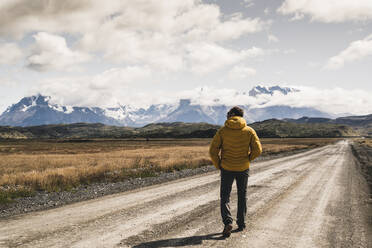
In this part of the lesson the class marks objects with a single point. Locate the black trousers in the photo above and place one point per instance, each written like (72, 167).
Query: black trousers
(227, 179)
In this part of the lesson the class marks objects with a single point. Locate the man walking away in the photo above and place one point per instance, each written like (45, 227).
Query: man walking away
(239, 145)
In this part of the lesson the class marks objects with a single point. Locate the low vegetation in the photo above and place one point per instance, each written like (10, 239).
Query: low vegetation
(266, 129)
(282, 129)
(362, 149)
(54, 165)
(97, 130)
(7, 195)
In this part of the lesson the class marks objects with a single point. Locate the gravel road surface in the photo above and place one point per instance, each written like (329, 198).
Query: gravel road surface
(312, 199)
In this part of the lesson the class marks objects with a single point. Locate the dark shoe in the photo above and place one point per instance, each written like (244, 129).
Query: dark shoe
(240, 228)
(227, 230)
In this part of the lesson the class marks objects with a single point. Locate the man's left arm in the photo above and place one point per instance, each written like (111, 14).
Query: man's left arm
(256, 147)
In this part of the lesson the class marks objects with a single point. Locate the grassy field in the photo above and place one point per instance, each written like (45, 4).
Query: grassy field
(54, 165)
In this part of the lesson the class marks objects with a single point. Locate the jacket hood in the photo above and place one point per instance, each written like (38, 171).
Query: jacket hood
(235, 122)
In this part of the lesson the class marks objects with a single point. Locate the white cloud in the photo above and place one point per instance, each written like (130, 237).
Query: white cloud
(248, 3)
(119, 77)
(289, 51)
(328, 10)
(334, 100)
(239, 72)
(172, 45)
(52, 53)
(155, 49)
(298, 16)
(235, 28)
(19, 17)
(10, 53)
(355, 51)
(6, 81)
(254, 52)
(313, 64)
(206, 57)
(148, 32)
(272, 38)
(105, 89)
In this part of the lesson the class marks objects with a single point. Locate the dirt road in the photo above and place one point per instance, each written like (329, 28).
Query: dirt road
(312, 199)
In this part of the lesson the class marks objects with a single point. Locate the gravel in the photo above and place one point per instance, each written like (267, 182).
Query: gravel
(46, 200)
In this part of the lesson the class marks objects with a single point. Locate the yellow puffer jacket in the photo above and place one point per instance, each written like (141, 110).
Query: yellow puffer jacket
(238, 143)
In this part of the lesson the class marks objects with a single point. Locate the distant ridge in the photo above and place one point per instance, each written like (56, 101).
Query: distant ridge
(361, 123)
(360, 120)
(267, 129)
(282, 129)
(98, 130)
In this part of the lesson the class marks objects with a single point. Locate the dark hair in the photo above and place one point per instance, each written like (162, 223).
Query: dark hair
(235, 111)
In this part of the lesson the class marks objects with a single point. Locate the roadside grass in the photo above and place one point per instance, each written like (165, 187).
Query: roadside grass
(7, 195)
(365, 142)
(29, 166)
(362, 149)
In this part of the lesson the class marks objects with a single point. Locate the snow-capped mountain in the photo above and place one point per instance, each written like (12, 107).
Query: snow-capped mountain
(39, 110)
(259, 90)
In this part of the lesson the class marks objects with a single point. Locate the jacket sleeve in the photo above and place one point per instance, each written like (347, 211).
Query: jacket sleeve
(256, 147)
(214, 150)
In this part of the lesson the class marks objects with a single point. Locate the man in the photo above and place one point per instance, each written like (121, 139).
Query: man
(239, 145)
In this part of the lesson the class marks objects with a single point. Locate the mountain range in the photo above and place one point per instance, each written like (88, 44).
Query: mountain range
(40, 110)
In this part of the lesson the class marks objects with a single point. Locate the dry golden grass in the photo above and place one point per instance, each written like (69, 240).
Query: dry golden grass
(366, 142)
(56, 171)
(55, 165)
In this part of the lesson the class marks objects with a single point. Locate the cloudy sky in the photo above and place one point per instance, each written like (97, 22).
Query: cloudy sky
(101, 53)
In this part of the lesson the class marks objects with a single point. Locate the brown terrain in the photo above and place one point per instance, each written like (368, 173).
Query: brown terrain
(316, 198)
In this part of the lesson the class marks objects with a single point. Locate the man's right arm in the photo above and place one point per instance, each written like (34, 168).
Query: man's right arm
(214, 150)
(256, 147)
